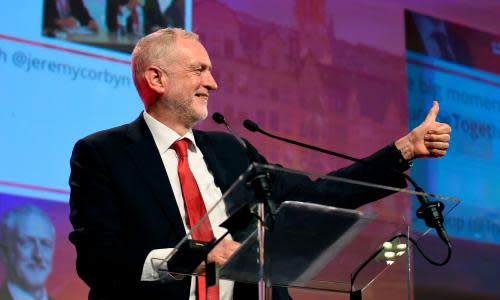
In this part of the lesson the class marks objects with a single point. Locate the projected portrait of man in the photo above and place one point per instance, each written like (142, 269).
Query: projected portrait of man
(26, 247)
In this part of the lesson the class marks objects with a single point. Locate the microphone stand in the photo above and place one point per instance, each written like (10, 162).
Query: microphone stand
(260, 182)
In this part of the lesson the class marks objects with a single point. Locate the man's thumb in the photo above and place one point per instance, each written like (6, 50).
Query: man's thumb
(433, 112)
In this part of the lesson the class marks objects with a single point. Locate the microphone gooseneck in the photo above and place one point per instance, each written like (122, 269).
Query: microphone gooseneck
(219, 119)
(261, 181)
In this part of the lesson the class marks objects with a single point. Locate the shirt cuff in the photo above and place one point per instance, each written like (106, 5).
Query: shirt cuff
(153, 262)
(403, 164)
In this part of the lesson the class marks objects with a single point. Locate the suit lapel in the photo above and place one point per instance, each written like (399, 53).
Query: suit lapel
(144, 152)
(214, 162)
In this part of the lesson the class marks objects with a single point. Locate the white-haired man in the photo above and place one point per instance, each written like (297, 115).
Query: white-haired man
(137, 188)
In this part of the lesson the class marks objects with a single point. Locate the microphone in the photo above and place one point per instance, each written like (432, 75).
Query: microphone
(219, 119)
(252, 126)
(430, 212)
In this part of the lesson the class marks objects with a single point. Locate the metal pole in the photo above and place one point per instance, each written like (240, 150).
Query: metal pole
(261, 231)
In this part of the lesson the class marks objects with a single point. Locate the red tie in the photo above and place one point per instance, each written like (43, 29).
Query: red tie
(195, 210)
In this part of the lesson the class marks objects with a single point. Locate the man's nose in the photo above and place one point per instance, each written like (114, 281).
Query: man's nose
(37, 252)
(209, 81)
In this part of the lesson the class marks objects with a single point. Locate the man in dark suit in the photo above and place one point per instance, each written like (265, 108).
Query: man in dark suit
(158, 16)
(26, 248)
(128, 201)
(65, 14)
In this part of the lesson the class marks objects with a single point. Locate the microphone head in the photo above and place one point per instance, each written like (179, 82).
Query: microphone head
(218, 118)
(251, 125)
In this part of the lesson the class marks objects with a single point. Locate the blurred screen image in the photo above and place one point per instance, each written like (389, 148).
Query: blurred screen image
(110, 24)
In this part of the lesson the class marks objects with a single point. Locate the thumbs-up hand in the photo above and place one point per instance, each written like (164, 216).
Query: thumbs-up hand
(429, 139)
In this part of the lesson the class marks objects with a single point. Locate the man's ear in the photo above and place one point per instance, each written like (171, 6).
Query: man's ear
(156, 80)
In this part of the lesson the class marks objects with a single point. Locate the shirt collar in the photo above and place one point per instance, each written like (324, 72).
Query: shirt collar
(18, 293)
(164, 136)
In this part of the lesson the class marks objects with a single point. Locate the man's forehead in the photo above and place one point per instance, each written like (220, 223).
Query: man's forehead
(192, 49)
(34, 225)
(188, 43)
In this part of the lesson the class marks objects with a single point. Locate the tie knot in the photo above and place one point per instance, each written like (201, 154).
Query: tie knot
(180, 147)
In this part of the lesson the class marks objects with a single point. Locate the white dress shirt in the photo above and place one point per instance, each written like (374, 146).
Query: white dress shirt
(164, 137)
(18, 293)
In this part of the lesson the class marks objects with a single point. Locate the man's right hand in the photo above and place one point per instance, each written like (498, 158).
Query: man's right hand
(223, 251)
(220, 254)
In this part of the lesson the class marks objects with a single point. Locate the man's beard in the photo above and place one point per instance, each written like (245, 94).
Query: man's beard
(32, 276)
(186, 113)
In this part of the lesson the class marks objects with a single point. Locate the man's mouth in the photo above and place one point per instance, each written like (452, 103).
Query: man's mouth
(37, 267)
(202, 95)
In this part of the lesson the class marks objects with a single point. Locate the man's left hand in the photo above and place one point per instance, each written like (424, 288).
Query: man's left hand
(429, 139)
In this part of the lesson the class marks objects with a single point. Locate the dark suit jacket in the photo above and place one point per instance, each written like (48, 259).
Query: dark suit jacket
(51, 14)
(154, 17)
(122, 205)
